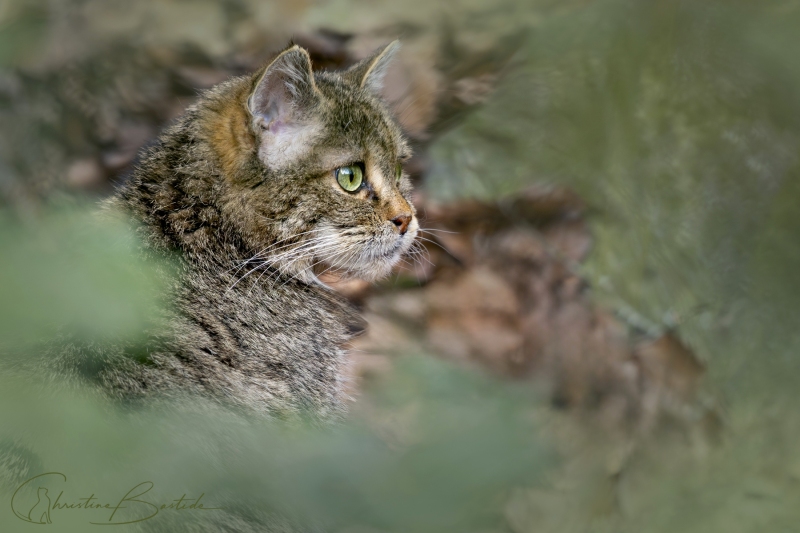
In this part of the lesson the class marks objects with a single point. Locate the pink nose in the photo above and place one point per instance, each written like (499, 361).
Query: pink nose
(402, 221)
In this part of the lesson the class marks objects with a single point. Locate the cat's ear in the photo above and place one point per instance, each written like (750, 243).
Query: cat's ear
(370, 72)
(282, 105)
(284, 91)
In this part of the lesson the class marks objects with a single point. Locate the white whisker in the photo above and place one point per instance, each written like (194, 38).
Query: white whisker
(431, 230)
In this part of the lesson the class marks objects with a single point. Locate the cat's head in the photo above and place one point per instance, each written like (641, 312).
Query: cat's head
(314, 169)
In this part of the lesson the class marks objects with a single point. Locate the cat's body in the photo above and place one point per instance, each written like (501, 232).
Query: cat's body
(251, 190)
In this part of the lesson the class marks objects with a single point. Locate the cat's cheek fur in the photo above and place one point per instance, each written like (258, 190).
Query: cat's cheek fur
(371, 258)
(282, 145)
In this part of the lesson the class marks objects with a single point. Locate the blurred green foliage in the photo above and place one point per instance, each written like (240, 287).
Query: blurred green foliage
(23, 28)
(677, 121)
(462, 442)
(74, 270)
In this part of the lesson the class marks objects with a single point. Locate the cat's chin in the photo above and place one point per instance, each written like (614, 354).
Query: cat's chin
(379, 270)
(373, 271)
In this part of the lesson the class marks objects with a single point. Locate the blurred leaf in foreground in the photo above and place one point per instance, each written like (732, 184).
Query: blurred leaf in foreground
(73, 270)
(467, 441)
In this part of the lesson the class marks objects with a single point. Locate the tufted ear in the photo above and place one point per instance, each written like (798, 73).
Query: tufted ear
(282, 105)
(285, 90)
(370, 72)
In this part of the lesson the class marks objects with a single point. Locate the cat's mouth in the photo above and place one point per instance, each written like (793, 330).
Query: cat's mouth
(397, 248)
(361, 255)
(398, 245)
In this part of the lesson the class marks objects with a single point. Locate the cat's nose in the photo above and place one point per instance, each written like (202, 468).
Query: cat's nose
(402, 221)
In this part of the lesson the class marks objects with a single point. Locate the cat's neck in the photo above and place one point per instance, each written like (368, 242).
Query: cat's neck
(175, 194)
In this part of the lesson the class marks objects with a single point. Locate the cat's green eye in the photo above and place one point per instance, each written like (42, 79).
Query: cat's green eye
(350, 177)
(398, 174)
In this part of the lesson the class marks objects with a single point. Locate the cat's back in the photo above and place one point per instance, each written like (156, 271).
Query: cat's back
(265, 336)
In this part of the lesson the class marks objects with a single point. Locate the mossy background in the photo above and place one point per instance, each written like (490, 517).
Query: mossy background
(677, 122)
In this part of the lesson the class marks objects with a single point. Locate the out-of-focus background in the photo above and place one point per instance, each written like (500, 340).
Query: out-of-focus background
(601, 334)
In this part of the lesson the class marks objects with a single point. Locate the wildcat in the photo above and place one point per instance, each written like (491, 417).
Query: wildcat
(265, 183)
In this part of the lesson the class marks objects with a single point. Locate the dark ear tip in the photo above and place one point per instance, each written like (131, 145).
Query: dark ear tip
(295, 56)
(293, 52)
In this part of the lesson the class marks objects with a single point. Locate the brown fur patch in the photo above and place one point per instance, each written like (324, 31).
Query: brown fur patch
(229, 132)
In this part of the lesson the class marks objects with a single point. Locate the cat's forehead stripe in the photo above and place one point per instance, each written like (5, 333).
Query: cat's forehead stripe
(361, 117)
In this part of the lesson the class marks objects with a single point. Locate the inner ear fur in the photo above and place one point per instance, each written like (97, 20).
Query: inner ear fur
(284, 90)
